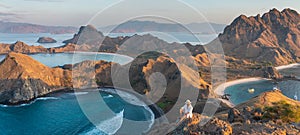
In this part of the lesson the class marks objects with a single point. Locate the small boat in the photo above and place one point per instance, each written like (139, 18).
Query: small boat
(296, 97)
(251, 90)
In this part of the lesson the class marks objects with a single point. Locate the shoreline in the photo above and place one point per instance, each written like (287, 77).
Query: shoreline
(220, 90)
(287, 66)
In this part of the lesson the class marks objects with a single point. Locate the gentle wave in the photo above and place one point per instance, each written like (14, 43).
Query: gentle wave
(110, 126)
(80, 93)
(109, 96)
(47, 98)
(130, 98)
(27, 104)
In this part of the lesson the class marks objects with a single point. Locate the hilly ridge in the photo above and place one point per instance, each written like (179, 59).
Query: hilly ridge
(21, 28)
(21, 81)
(273, 37)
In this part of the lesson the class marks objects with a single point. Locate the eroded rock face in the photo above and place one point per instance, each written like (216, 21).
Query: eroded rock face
(274, 37)
(46, 40)
(23, 79)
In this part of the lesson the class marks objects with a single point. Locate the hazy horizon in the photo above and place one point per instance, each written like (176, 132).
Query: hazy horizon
(79, 12)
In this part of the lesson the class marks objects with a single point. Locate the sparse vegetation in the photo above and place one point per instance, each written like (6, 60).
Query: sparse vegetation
(282, 110)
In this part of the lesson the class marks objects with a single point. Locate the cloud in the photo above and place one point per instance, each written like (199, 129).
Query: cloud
(4, 6)
(7, 16)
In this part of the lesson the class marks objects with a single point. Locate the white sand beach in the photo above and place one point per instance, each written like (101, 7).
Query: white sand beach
(221, 88)
(287, 66)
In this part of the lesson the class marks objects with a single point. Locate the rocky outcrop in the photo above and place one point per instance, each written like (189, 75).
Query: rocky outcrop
(214, 126)
(269, 113)
(21, 47)
(271, 72)
(90, 39)
(86, 35)
(217, 127)
(92, 74)
(252, 117)
(22, 82)
(46, 40)
(273, 37)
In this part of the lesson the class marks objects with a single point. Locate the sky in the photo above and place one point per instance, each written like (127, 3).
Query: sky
(108, 12)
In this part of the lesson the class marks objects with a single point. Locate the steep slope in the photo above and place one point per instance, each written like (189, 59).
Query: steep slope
(274, 37)
(267, 99)
(23, 78)
(160, 76)
(89, 38)
(267, 114)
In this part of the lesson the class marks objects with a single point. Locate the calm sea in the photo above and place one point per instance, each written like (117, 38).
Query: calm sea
(239, 93)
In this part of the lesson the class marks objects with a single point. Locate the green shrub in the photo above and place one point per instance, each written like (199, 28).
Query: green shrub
(282, 110)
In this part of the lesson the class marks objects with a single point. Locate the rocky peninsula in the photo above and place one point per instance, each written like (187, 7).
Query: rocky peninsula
(252, 45)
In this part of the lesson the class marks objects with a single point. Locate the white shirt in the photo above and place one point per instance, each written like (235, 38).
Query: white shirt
(188, 110)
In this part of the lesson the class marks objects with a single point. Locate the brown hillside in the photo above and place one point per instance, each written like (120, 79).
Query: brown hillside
(23, 78)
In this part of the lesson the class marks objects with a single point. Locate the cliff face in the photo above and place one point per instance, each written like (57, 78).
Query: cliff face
(273, 37)
(23, 79)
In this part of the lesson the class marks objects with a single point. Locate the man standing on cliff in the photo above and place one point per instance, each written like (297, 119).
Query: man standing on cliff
(187, 110)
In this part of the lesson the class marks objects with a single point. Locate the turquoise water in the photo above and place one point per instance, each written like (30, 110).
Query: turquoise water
(60, 59)
(60, 113)
(239, 93)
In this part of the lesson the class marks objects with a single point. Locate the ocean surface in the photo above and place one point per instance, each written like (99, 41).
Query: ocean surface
(239, 92)
(31, 39)
(59, 59)
(61, 114)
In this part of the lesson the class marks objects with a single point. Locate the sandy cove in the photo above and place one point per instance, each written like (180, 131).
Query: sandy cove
(221, 88)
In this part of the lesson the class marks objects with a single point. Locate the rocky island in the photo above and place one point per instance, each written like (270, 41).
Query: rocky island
(46, 40)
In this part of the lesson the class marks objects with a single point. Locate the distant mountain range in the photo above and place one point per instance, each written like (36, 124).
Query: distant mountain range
(145, 26)
(14, 27)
